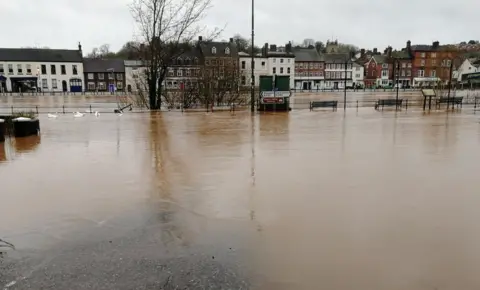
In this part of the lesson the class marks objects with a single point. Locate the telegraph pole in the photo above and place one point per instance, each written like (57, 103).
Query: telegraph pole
(252, 88)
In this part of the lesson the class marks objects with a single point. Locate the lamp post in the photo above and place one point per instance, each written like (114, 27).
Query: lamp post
(38, 79)
(396, 65)
(345, 86)
(252, 83)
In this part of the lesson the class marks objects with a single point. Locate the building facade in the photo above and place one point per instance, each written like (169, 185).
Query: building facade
(260, 68)
(134, 75)
(468, 66)
(104, 75)
(48, 70)
(431, 64)
(358, 74)
(309, 69)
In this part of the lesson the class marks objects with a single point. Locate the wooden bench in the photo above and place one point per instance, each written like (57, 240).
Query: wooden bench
(388, 103)
(323, 104)
(452, 100)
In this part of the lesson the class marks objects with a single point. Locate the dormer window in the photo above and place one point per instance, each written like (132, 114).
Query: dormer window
(214, 50)
(187, 61)
(179, 61)
(227, 50)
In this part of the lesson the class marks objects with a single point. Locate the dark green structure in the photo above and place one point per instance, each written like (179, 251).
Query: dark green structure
(274, 93)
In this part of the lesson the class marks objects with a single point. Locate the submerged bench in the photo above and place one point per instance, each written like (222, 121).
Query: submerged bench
(323, 104)
(388, 103)
(453, 100)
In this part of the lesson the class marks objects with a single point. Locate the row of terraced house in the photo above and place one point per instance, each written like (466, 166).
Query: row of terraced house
(57, 70)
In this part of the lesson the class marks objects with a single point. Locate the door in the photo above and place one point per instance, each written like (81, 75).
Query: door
(64, 86)
(129, 88)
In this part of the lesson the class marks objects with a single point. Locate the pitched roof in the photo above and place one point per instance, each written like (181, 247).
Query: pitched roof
(307, 54)
(40, 55)
(206, 48)
(95, 65)
(379, 59)
(336, 57)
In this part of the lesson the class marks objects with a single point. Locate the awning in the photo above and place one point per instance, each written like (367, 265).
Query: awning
(432, 79)
(3, 78)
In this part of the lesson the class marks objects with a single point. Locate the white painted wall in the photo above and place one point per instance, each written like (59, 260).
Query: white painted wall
(284, 63)
(260, 70)
(358, 74)
(465, 68)
(134, 69)
(49, 77)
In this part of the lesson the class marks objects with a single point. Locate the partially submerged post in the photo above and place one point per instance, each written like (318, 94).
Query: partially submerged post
(2, 130)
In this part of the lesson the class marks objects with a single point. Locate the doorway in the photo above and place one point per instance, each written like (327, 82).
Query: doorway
(64, 86)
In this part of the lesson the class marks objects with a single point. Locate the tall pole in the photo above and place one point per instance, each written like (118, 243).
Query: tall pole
(252, 84)
(345, 86)
(396, 69)
(449, 84)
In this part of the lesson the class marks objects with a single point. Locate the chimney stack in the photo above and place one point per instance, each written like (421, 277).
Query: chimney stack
(389, 51)
(362, 52)
(436, 44)
(231, 40)
(288, 47)
(375, 51)
(79, 47)
(409, 44)
(200, 39)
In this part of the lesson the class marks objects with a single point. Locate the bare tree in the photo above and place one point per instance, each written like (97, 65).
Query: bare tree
(219, 85)
(308, 42)
(167, 28)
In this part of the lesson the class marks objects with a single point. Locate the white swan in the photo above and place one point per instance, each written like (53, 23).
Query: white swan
(78, 114)
(97, 114)
(52, 115)
(119, 114)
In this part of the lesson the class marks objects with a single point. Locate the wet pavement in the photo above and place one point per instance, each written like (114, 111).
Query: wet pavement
(306, 200)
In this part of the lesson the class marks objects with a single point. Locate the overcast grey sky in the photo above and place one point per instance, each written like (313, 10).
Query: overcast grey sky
(366, 23)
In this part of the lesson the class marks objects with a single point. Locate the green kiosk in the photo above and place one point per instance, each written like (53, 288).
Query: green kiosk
(274, 93)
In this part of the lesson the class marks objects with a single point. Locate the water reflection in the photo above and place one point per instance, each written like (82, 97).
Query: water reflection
(3, 154)
(26, 144)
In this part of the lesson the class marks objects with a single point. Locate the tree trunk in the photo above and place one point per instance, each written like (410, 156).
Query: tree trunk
(152, 94)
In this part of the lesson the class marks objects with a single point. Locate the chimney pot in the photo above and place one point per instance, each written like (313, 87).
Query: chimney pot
(200, 38)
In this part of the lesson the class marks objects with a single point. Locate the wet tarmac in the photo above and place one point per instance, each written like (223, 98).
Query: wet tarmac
(306, 200)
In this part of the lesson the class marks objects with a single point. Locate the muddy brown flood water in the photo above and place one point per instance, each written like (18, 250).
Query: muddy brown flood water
(317, 200)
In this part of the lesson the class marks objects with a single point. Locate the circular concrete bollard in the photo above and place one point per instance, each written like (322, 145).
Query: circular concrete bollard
(2, 130)
(23, 127)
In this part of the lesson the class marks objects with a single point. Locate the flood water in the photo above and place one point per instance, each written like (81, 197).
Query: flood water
(306, 200)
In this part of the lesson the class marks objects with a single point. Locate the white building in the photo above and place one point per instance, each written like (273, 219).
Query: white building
(273, 60)
(358, 74)
(134, 75)
(338, 68)
(48, 70)
(469, 65)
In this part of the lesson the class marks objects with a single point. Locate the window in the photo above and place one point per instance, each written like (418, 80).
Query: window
(288, 70)
(19, 69)
(433, 73)
(403, 73)
(384, 73)
(409, 73)
(409, 65)
(29, 69)
(110, 76)
(327, 74)
(434, 62)
(385, 65)
(54, 83)
(281, 70)
(91, 86)
(74, 69)
(422, 55)
(281, 60)
(179, 61)
(244, 80)
(102, 86)
(90, 76)
(320, 73)
(196, 60)
(100, 76)
(274, 60)
(288, 60)
(422, 62)
(274, 71)
(44, 69)
(263, 64)
(404, 65)
(243, 64)
(53, 69)
(119, 85)
(179, 72)
(119, 77)
(227, 50)
(63, 70)
(338, 75)
(170, 72)
(449, 62)
(357, 76)
(433, 55)
(187, 72)
(44, 84)
(1, 68)
(420, 73)
(214, 50)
